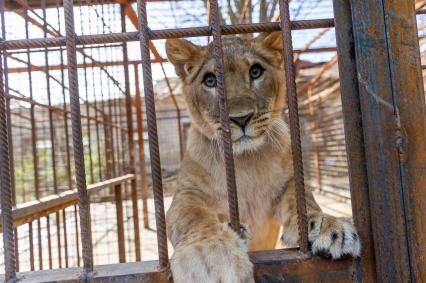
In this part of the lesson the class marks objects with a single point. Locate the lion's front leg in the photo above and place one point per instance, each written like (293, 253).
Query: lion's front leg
(333, 236)
(206, 250)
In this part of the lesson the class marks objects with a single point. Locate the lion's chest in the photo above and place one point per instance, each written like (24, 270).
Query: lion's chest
(258, 183)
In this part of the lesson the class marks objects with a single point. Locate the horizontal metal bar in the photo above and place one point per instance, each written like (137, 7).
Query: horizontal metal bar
(162, 34)
(165, 34)
(269, 266)
(35, 209)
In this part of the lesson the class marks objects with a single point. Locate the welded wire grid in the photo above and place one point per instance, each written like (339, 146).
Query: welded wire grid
(47, 134)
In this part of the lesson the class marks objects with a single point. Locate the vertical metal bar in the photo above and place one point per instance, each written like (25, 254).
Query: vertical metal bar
(409, 102)
(135, 212)
(15, 232)
(129, 118)
(290, 76)
(142, 169)
(83, 198)
(58, 238)
(8, 115)
(5, 181)
(33, 138)
(51, 127)
(354, 139)
(77, 241)
(120, 224)
(40, 248)
(49, 242)
(110, 120)
(393, 115)
(224, 118)
(31, 239)
(9, 131)
(152, 134)
(64, 226)
(67, 143)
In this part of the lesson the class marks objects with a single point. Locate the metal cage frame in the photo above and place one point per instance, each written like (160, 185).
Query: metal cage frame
(384, 118)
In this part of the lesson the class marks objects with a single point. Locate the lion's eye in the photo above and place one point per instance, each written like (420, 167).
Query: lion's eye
(209, 80)
(256, 71)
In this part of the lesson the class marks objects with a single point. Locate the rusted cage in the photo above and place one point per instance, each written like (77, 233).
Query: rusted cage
(383, 105)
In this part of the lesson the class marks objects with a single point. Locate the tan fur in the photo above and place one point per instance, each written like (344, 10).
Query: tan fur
(206, 249)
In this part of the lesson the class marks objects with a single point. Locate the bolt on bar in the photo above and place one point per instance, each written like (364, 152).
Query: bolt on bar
(83, 198)
(224, 118)
(290, 77)
(144, 35)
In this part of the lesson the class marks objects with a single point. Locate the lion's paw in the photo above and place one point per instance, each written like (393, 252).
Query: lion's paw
(336, 237)
(216, 258)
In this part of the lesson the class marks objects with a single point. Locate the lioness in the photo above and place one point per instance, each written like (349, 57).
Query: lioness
(206, 248)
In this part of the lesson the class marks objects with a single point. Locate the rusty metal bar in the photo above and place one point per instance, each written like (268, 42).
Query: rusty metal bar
(141, 152)
(40, 247)
(58, 237)
(83, 198)
(77, 240)
(5, 178)
(9, 128)
(354, 139)
(120, 224)
(224, 118)
(392, 104)
(290, 76)
(163, 34)
(144, 34)
(64, 219)
(49, 242)
(68, 154)
(31, 240)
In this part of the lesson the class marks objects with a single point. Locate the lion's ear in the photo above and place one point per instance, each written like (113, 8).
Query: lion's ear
(270, 46)
(181, 54)
(271, 40)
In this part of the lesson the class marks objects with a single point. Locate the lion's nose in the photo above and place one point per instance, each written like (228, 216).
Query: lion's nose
(241, 119)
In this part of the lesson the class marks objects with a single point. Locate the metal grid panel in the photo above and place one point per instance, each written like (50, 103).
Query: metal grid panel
(114, 122)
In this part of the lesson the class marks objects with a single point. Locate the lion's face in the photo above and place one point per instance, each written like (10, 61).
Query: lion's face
(254, 87)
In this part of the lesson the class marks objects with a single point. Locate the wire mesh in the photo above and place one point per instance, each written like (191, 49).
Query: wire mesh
(109, 138)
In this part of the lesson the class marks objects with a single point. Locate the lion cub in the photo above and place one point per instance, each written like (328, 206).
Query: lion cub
(206, 248)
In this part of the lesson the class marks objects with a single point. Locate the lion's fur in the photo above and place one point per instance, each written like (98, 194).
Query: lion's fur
(198, 215)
